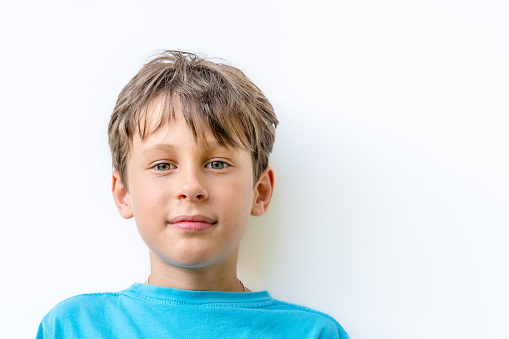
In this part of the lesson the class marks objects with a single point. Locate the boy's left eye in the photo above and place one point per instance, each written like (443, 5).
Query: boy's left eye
(217, 165)
(163, 167)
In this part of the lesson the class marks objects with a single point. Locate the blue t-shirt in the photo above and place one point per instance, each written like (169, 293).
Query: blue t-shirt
(146, 311)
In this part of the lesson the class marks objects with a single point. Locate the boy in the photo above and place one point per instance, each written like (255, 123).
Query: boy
(190, 141)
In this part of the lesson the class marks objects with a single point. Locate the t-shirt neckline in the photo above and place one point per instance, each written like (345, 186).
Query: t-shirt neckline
(178, 296)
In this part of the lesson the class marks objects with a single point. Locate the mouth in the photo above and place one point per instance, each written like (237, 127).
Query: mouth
(192, 223)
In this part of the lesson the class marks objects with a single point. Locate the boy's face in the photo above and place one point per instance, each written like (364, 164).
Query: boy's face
(191, 203)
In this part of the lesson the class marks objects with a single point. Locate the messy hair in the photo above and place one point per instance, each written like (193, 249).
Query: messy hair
(213, 97)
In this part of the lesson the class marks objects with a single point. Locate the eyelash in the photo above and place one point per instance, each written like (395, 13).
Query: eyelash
(209, 165)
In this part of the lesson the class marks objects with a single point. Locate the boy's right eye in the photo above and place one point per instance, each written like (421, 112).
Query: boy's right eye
(163, 166)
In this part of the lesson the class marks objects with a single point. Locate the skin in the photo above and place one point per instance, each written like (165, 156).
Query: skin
(172, 178)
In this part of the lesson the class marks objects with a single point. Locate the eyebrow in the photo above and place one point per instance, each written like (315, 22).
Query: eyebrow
(158, 148)
(209, 146)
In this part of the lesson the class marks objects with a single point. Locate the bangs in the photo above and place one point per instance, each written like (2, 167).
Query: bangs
(203, 115)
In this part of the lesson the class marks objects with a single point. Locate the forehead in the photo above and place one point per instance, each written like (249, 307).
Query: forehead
(174, 136)
(165, 112)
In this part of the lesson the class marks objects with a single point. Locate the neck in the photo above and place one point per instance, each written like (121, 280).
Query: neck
(220, 276)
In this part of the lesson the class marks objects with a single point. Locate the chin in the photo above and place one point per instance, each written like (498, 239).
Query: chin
(190, 259)
(197, 260)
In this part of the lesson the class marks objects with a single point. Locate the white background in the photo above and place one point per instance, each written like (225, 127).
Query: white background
(391, 206)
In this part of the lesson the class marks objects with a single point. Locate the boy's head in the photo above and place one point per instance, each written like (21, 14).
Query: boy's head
(190, 141)
(212, 97)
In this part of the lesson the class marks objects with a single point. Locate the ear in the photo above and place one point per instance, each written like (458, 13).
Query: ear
(121, 196)
(263, 192)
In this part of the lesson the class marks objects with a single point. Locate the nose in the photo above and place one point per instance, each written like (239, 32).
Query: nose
(191, 185)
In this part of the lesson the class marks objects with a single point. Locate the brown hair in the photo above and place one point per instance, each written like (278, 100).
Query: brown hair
(212, 96)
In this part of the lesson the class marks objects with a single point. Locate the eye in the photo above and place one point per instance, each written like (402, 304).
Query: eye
(163, 167)
(217, 165)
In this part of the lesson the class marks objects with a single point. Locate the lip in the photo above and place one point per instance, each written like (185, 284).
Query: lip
(192, 223)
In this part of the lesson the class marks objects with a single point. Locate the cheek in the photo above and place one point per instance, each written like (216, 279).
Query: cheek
(147, 199)
(241, 195)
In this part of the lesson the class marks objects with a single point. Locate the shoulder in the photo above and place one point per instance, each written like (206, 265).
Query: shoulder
(82, 302)
(76, 310)
(322, 323)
